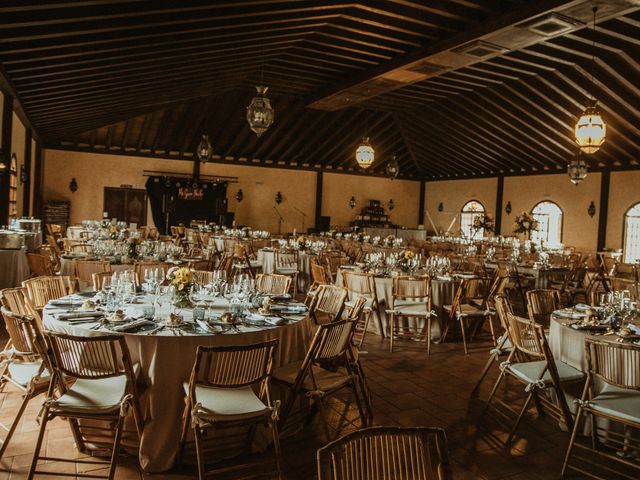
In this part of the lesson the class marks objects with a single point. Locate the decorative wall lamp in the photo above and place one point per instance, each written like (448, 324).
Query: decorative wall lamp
(391, 205)
(239, 196)
(205, 150)
(352, 202)
(3, 162)
(73, 185)
(507, 208)
(278, 198)
(440, 207)
(592, 209)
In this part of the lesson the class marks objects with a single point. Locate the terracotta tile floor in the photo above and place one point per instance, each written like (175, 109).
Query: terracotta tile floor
(408, 389)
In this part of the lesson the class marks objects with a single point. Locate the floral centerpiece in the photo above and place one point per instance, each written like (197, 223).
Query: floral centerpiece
(525, 223)
(114, 231)
(301, 242)
(408, 262)
(483, 222)
(132, 247)
(182, 280)
(390, 241)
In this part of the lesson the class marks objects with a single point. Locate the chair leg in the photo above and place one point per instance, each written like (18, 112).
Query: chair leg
(392, 330)
(572, 440)
(25, 400)
(519, 419)
(116, 447)
(493, 333)
(186, 416)
(198, 436)
(493, 392)
(464, 335)
(429, 335)
(375, 310)
(276, 446)
(36, 452)
(492, 358)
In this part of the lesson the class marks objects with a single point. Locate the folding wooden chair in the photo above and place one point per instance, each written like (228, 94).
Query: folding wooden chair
(104, 390)
(221, 394)
(22, 364)
(398, 453)
(411, 299)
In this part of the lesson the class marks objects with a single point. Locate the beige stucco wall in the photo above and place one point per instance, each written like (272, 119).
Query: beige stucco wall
(579, 229)
(624, 192)
(93, 172)
(338, 190)
(453, 194)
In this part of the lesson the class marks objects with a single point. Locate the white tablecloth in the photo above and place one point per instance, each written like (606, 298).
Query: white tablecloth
(14, 268)
(166, 361)
(267, 258)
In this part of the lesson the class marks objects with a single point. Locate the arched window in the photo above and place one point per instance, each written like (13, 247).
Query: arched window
(632, 234)
(13, 187)
(471, 210)
(549, 217)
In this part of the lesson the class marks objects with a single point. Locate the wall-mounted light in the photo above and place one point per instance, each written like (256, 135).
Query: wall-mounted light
(440, 207)
(239, 195)
(278, 198)
(73, 185)
(592, 209)
(352, 202)
(507, 208)
(3, 162)
(391, 205)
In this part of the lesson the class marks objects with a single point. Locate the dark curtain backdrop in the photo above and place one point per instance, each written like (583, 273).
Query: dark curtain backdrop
(167, 209)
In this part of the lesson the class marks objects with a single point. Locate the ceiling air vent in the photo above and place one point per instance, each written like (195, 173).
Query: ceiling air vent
(552, 25)
(480, 49)
(427, 68)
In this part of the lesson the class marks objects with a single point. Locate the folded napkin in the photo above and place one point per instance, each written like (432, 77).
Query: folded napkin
(570, 314)
(65, 302)
(134, 325)
(76, 315)
(275, 320)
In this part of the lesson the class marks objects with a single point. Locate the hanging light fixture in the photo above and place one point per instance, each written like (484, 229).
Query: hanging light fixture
(260, 112)
(392, 169)
(352, 202)
(591, 131)
(365, 154)
(577, 169)
(204, 150)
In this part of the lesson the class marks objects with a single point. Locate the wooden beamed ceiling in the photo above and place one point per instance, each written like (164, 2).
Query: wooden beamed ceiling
(143, 77)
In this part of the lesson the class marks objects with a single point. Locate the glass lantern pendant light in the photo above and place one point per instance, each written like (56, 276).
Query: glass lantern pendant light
(260, 112)
(205, 150)
(591, 131)
(577, 169)
(365, 154)
(392, 169)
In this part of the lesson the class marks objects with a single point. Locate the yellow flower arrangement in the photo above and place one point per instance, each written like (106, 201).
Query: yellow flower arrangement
(182, 279)
(408, 255)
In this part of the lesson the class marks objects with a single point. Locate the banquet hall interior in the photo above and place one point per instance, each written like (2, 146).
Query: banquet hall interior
(299, 239)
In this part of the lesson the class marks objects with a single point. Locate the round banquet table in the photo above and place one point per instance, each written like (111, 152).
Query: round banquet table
(442, 293)
(166, 359)
(567, 345)
(14, 268)
(267, 259)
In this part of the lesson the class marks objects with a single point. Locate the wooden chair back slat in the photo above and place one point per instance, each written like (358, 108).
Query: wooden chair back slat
(273, 284)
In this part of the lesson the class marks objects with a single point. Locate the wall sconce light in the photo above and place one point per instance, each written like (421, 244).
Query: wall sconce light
(391, 205)
(239, 195)
(352, 202)
(507, 208)
(440, 207)
(278, 198)
(3, 162)
(592, 209)
(23, 175)
(73, 185)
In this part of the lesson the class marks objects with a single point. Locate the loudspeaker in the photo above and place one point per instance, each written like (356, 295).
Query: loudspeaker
(228, 219)
(324, 224)
(168, 203)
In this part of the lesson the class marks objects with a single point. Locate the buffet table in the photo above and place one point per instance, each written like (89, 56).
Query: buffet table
(166, 358)
(14, 268)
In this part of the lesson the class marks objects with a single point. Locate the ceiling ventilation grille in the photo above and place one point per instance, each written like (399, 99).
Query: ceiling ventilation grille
(552, 25)
(480, 49)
